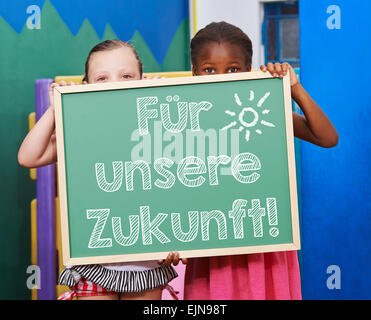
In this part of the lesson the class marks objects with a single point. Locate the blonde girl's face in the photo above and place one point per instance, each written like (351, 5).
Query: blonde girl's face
(113, 65)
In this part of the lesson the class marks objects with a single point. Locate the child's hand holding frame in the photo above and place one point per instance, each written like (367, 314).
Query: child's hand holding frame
(280, 70)
(173, 258)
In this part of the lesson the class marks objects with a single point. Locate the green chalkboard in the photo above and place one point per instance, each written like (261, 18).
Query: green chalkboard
(200, 165)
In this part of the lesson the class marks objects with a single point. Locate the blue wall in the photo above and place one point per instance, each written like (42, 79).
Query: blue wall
(336, 190)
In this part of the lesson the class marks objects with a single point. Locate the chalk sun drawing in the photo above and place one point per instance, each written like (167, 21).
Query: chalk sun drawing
(251, 113)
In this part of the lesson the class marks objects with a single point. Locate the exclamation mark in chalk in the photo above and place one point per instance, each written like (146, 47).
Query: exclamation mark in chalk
(272, 216)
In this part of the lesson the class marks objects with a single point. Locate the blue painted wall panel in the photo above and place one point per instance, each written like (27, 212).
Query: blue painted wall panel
(336, 189)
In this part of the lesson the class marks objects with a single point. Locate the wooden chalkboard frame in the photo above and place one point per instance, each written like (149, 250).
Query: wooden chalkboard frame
(59, 91)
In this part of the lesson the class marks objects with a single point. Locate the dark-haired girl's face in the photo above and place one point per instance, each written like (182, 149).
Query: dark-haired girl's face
(219, 58)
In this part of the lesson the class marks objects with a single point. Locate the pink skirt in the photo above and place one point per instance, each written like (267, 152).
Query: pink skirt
(261, 276)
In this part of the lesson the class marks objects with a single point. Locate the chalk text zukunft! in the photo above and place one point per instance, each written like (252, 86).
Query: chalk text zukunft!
(191, 172)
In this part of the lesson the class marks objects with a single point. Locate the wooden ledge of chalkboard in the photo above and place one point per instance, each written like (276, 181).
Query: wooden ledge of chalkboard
(255, 75)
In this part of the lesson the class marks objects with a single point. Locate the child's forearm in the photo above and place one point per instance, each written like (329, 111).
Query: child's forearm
(315, 127)
(39, 148)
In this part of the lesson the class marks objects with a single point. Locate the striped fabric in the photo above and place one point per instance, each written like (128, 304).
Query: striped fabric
(118, 281)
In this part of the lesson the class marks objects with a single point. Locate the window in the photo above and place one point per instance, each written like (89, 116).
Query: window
(281, 32)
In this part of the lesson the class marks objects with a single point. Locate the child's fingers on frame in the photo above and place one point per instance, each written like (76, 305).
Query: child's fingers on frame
(285, 68)
(154, 77)
(51, 92)
(271, 69)
(278, 69)
(52, 86)
(176, 259)
(169, 258)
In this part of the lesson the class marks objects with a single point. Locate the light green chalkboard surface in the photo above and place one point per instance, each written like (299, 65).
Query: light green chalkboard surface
(200, 165)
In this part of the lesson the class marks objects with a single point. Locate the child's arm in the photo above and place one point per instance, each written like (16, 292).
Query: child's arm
(314, 127)
(39, 147)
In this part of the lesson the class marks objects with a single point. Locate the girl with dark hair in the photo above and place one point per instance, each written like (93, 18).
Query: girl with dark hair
(223, 48)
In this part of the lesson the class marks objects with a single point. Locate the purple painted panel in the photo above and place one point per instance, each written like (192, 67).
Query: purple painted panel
(45, 193)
